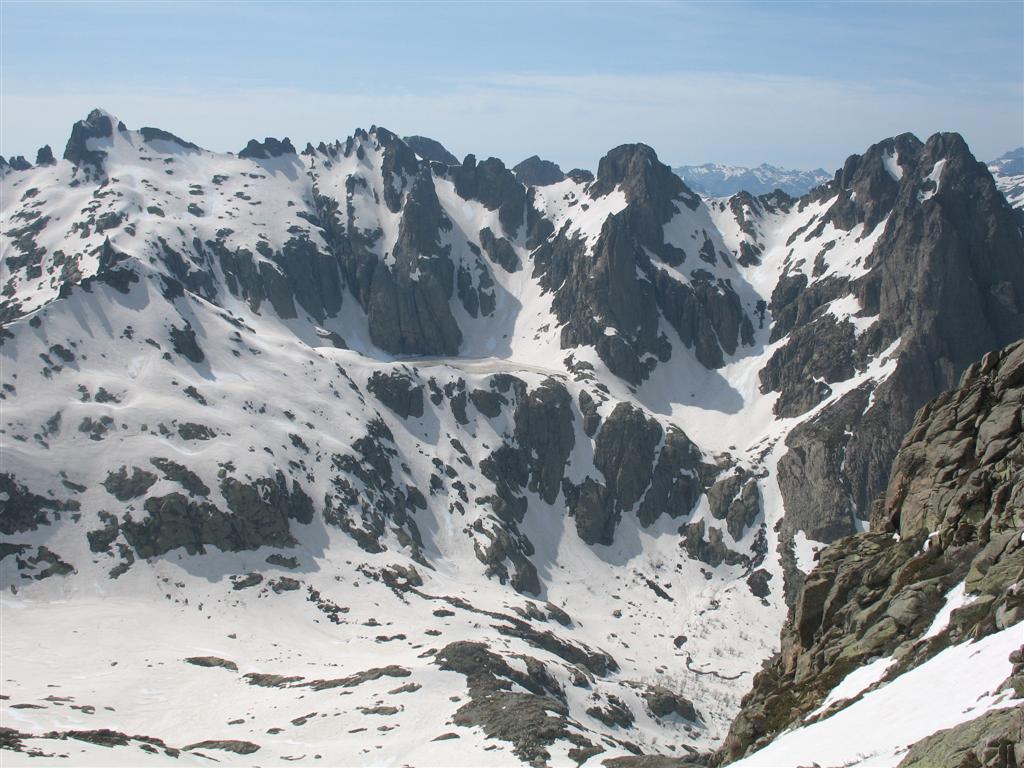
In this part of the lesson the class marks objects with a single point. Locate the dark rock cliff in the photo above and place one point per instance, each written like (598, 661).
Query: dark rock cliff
(952, 513)
(613, 296)
(535, 172)
(945, 279)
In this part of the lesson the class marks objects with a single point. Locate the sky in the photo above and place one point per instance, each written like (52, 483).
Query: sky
(801, 84)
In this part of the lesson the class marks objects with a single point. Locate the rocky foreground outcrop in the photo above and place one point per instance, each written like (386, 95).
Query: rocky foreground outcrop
(952, 513)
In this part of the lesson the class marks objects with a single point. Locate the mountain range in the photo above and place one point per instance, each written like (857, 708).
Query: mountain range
(361, 454)
(1008, 171)
(720, 180)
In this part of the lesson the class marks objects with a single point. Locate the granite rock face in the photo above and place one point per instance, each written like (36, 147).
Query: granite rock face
(430, 149)
(534, 172)
(615, 296)
(958, 484)
(98, 125)
(258, 514)
(496, 187)
(399, 392)
(407, 301)
(994, 740)
(45, 156)
(643, 467)
(944, 279)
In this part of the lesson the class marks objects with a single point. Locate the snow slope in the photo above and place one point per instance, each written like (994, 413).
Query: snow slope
(959, 684)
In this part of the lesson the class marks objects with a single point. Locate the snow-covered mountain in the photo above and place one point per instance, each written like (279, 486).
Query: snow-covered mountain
(1008, 171)
(356, 454)
(720, 180)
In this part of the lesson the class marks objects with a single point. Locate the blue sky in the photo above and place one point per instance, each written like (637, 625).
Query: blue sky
(796, 84)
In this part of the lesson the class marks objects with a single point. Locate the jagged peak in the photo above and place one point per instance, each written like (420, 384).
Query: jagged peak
(98, 124)
(45, 156)
(642, 176)
(383, 135)
(948, 143)
(902, 149)
(150, 135)
(868, 184)
(376, 139)
(268, 148)
(625, 162)
(431, 149)
(895, 154)
(535, 172)
(103, 121)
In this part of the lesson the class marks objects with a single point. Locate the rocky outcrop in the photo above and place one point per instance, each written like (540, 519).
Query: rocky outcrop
(366, 493)
(299, 273)
(817, 494)
(398, 391)
(26, 511)
(259, 514)
(535, 460)
(123, 486)
(961, 463)
(530, 720)
(994, 740)
(624, 453)
(545, 436)
(534, 172)
(613, 296)
(268, 148)
(45, 156)
(661, 702)
(955, 499)
(150, 135)
(407, 303)
(737, 500)
(499, 250)
(98, 125)
(496, 187)
(430, 149)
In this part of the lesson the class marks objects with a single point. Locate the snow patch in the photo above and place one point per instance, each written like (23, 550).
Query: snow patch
(957, 685)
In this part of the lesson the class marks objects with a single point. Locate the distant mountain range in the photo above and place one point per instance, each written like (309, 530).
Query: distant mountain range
(720, 180)
(1008, 171)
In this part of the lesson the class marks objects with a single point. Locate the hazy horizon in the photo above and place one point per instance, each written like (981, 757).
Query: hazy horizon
(699, 82)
